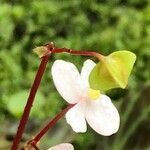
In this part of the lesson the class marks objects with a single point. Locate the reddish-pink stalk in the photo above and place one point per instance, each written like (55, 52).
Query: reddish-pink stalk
(30, 100)
(34, 141)
(76, 52)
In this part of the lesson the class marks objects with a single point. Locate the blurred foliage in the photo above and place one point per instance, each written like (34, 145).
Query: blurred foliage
(102, 26)
(15, 105)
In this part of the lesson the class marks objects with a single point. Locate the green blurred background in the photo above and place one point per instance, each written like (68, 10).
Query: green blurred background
(98, 25)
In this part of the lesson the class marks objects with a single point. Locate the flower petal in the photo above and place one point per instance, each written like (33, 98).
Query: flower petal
(76, 118)
(67, 80)
(86, 70)
(102, 116)
(63, 146)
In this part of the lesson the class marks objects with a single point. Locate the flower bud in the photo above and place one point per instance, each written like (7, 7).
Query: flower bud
(40, 51)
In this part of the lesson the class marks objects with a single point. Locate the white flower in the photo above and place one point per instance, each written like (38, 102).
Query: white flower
(63, 146)
(92, 106)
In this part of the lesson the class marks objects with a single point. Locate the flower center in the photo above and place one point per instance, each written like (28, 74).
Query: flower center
(93, 94)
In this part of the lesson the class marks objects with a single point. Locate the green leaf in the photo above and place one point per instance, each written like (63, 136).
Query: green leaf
(113, 71)
(18, 101)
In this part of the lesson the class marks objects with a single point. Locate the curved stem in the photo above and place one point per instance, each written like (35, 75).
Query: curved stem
(29, 103)
(76, 52)
(50, 125)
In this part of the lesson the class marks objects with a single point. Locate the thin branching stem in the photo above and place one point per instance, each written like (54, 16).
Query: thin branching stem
(76, 52)
(50, 124)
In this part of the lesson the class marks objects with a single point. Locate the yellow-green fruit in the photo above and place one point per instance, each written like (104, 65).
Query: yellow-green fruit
(112, 71)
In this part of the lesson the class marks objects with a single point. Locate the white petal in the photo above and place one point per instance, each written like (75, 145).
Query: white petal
(76, 118)
(85, 72)
(102, 116)
(63, 146)
(67, 80)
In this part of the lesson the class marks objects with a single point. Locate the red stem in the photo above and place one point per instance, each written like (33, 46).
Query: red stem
(50, 125)
(29, 103)
(76, 52)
